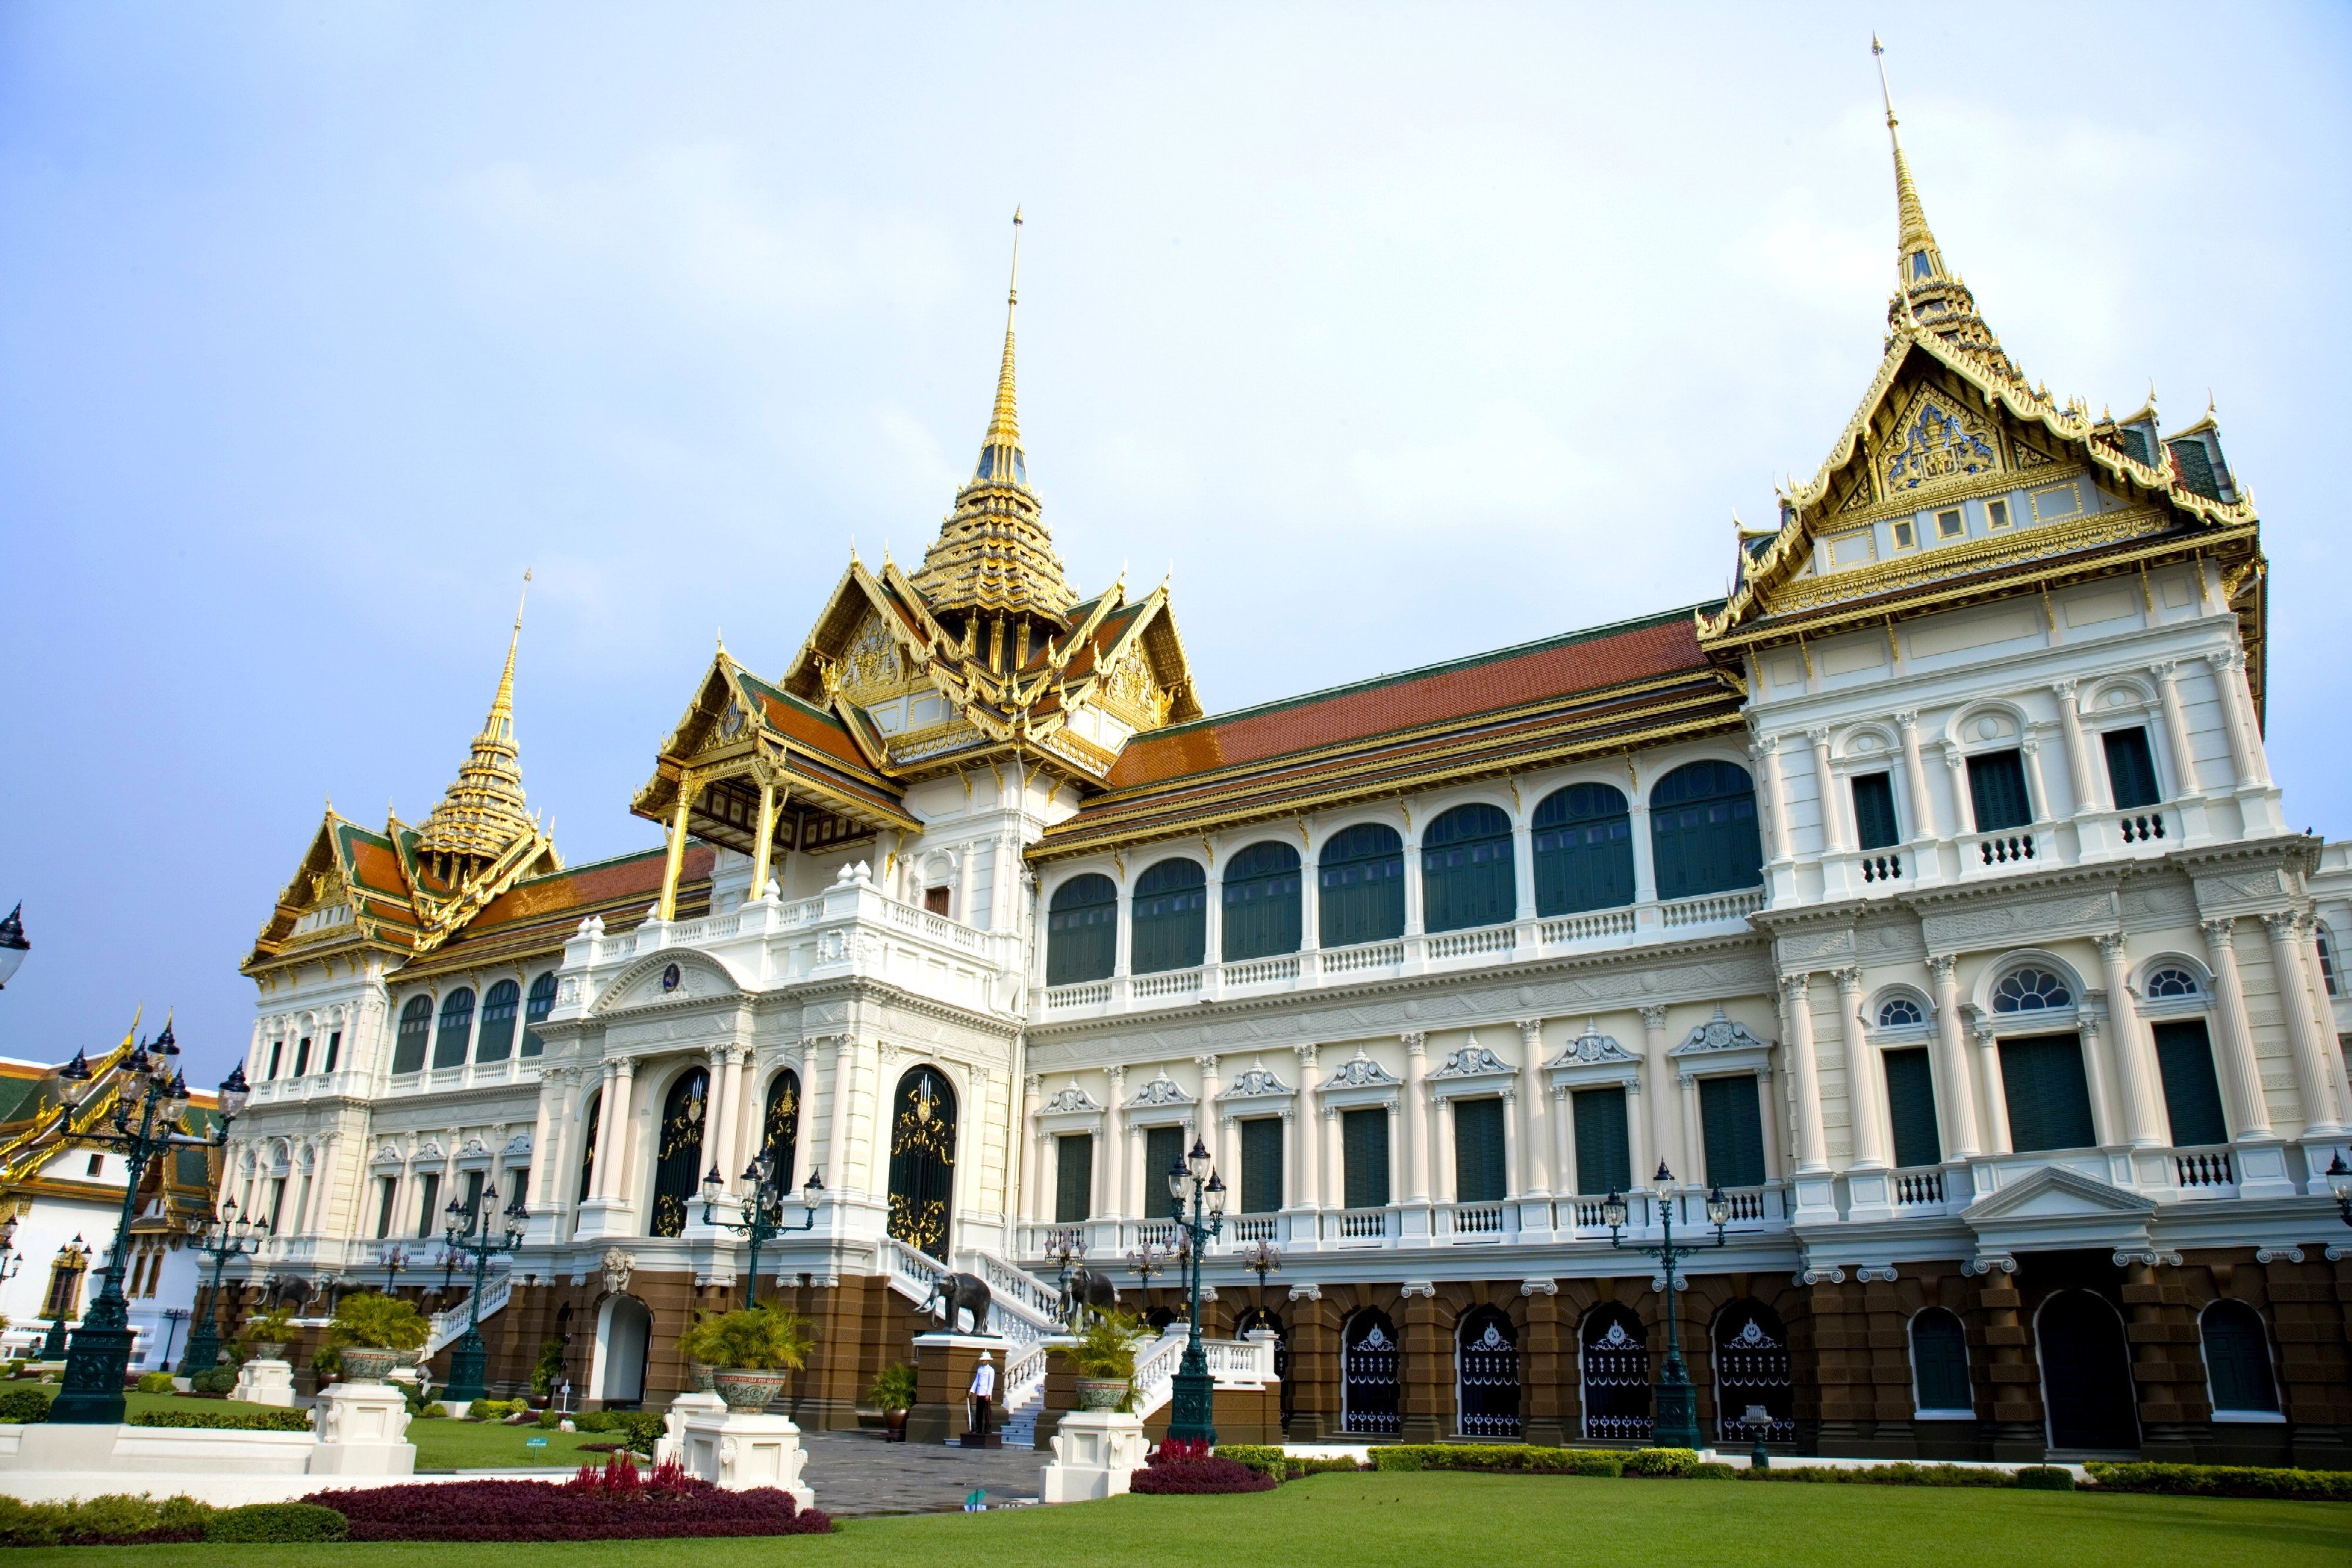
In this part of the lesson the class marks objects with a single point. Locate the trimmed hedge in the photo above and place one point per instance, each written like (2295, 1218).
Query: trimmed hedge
(155, 1383)
(23, 1407)
(1511, 1458)
(1267, 1460)
(574, 1510)
(235, 1420)
(277, 1521)
(1894, 1475)
(1661, 1463)
(2224, 1481)
(2046, 1478)
(112, 1520)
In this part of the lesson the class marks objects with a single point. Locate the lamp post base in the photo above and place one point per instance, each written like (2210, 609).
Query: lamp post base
(1191, 1407)
(468, 1363)
(1678, 1424)
(92, 1393)
(204, 1351)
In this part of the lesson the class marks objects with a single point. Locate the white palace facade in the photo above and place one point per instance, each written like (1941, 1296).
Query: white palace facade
(1930, 896)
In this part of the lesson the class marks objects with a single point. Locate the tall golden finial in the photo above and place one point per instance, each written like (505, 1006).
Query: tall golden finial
(1915, 237)
(1002, 445)
(483, 810)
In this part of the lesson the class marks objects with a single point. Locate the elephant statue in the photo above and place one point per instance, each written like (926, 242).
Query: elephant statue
(953, 1295)
(1088, 1288)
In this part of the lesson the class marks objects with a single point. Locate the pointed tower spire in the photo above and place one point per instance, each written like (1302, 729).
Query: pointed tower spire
(1929, 299)
(999, 449)
(483, 812)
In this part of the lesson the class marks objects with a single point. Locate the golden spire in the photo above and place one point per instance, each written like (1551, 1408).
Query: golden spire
(483, 812)
(1914, 243)
(1929, 299)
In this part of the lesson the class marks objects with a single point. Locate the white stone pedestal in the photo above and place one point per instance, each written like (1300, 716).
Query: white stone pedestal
(363, 1430)
(1094, 1454)
(671, 1444)
(265, 1383)
(740, 1449)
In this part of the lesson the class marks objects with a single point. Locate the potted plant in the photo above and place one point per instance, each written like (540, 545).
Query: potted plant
(1104, 1356)
(893, 1394)
(267, 1332)
(749, 1351)
(700, 1376)
(375, 1334)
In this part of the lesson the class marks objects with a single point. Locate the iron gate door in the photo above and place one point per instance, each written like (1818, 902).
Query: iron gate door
(1616, 1377)
(1487, 1360)
(1751, 1371)
(1367, 1383)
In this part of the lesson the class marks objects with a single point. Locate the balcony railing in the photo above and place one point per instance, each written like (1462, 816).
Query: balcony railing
(1919, 1188)
(2203, 1170)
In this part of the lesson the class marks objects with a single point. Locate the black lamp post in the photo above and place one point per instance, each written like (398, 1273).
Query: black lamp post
(100, 1351)
(468, 1232)
(763, 1210)
(230, 1234)
(1200, 1195)
(13, 945)
(173, 1318)
(395, 1258)
(1676, 1425)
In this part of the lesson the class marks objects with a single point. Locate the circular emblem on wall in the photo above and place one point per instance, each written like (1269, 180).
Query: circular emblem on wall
(670, 978)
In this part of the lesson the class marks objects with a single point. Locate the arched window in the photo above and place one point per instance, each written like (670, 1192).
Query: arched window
(536, 1007)
(678, 1161)
(1360, 886)
(1082, 930)
(1616, 1375)
(1261, 902)
(2088, 1396)
(415, 1031)
(1940, 1390)
(1583, 850)
(1899, 1012)
(2168, 985)
(1487, 1366)
(1370, 1357)
(2031, 991)
(456, 1025)
(780, 1134)
(922, 1159)
(499, 1005)
(1751, 1373)
(1466, 869)
(1702, 830)
(1170, 927)
(2238, 1372)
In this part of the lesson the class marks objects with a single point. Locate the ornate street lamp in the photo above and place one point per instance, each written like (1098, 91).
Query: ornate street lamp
(230, 1234)
(1200, 1195)
(151, 1081)
(72, 1258)
(468, 1232)
(1262, 1258)
(763, 1210)
(1677, 1423)
(13, 945)
(395, 1258)
(1146, 1260)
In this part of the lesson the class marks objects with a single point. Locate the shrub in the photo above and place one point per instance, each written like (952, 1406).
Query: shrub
(2224, 1481)
(1711, 1471)
(2046, 1479)
(494, 1409)
(277, 1521)
(218, 1380)
(1511, 1458)
(372, 1322)
(1661, 1463)
(1896, 1474)
(545, 1510)
(598, 1421)
(894, 1389)
(551, 1419)
(114, 1520)
(1182, 1474)
(644, 1427)
(274, 1327)
(549, 1368)
(235, 1420)
(1106, 1349)
(751, 1338)
(155, 1383)
(24, 1405)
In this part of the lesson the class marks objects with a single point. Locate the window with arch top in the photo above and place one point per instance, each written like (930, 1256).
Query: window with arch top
(1703, 835)
(1940, 1390)
(2238, 1362)
(1082, 930)
(1170, 922)
(2031, 990)
(456, 1025)
(499, 1005)
(1900, 1012)
(1360, 886)
(1466, 869)
(1583, 850)
(415, 1033)
(1262, 906)
(536, 1007)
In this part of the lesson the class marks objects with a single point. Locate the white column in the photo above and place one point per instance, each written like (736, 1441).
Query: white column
(2238, 716)
(1658, 1075)
(613, 1119)
(551, 1086)
(722, 1119)
(1412, 900)
(1996, 1092)
(1535, 1108)
(2314, 1083)
(1954, 1091)
(1305, 1155)
(1335, 1165)
(837, 1137)
(2035, 787)
(2239, 1068)
(1442, 1185)
(1416, 1112)
(1310, 903)
(1804, 1075)
(2144, 1121)
(2104, 1130)
(1523, 869)
(964, 859)
(1222, 1132)
(1212, 923)
(1516, 1152)
(1561, 1113)
(1031, 1137)
(2176, 727)
(1964, 804)
(1694, 1168)
(1834, 834)
(1865, 1085)
(1924, 821)
(1645, 861)
(1114, 1152)
(1766, 753)
(2088, 796)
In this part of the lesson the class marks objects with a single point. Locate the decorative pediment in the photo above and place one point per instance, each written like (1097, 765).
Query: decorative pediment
(1936, 439)
(1360, 1072)
(2058, 1193)
(518, 1146)
(1719, 1034)
(1473, 1061)
(1158, 1090)
(1594, 1048)
(1258, 1082)
(1072, 1101)
(870, 667)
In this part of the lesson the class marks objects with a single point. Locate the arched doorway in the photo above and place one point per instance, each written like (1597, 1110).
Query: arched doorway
(1616, 1375)
(1751, 1371)
(624, 1331)
(779, 1134)
(1261, 1318)
(1486, 1376)
(922, 1159)
(1369, 1364)
(2087, 1383)
(677, 1167)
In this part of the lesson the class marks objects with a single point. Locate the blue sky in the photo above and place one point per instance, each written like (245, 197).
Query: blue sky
(1396, 333)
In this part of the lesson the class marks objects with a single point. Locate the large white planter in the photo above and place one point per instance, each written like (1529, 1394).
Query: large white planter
(1096, 1453)
(363, 1430)
(740, 1449)
(265, 1382)
(671, 1444)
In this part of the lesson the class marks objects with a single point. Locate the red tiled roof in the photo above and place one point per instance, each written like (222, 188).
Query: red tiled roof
(638, 875)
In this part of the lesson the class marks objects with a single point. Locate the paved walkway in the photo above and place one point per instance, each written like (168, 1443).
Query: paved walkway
(858, 1472)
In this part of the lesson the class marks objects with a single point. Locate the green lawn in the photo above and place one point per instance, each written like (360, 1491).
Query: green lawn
(480, 1444)
(132, 1402)
(1471, 1521)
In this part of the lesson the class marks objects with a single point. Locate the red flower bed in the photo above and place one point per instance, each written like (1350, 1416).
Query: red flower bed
(1186, 1468)
(615, 1503)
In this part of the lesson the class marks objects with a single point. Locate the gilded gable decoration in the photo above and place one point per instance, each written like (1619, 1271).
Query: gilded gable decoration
(871, 665)
(1934, 440)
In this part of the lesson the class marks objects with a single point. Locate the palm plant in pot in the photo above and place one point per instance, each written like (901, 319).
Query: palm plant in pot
(265, 1333)
(893, 1394)
(1103, 1357)
(748, 1351)
(374, 1333)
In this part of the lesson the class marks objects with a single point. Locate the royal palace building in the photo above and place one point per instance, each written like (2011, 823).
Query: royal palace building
(1929, 898)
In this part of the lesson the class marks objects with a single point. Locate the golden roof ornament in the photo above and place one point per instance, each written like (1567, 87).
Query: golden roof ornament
(483, 812)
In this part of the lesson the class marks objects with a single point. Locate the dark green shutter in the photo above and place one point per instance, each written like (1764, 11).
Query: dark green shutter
(1478, 1174)
(1734, 1125)
(1939, 1361)
(1466, 877)
(1873, 811)
(1073, 1177)
(540, 1004)
(2049, 1100)
(2237, 1358)
(1703, 836)
(1261, 1165)
(1364, 1146)
(1583, 850)
(1997, 789)
(1604, 1160)
(1082, 932)
(1168, 926)
(2131, 771)
(415, 1031)
(1261, 902)
(1911, 1108)
(457, 1029)
(1361, 886)
(1162, 1147)
(2192, 1097)
(496, 1038)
